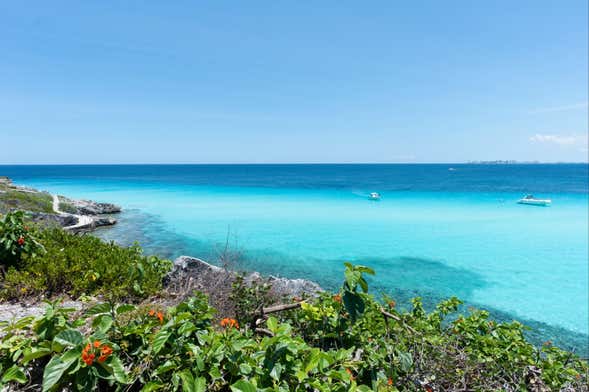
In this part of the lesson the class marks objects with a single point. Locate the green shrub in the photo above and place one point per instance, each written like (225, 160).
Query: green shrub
(315, 348)
(16, 240)
(67, 207)
(77, 265)
(248, 299)
(29, 201)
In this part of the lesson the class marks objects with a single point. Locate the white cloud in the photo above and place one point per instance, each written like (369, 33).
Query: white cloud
(574, 106)
(573, 140)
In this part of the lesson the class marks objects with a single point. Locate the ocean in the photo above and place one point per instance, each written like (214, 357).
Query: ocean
(439, 229)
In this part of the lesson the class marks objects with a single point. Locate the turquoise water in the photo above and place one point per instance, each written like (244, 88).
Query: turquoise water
(523, 262)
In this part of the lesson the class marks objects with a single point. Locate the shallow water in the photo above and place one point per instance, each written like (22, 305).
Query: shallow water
(435, 233)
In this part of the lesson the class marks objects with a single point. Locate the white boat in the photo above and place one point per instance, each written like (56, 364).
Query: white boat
(531, 200)
(374, 196)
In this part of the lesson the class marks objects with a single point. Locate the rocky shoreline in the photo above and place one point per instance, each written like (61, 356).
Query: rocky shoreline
(187, 275)
(71, 214)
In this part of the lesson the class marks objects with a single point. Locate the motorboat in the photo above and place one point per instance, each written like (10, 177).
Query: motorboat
(531, 200)
(374, 196)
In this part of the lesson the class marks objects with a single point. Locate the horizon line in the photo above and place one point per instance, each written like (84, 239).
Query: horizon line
(490, 162)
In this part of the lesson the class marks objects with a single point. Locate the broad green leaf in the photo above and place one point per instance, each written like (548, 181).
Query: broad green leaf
(200, 384)
(152, 386)
(14, 373)
(102, 323)
(272, 324)
(245, 369)
(34, 353)
(125, 308)
(354, 304)
(118, 371)
(69, 338)
(406, 361)
(243, 386)
(99, 309)
(160, 340)
(187, 380)
(56, 367)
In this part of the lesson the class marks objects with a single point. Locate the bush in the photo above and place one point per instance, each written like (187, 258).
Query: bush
(30, 201)
(318, 347)
(77, 265)
(16, 240)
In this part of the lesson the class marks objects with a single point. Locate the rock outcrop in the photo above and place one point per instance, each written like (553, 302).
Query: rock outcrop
(190, 273)
(72, 215)
(89, 207)
(53, 219)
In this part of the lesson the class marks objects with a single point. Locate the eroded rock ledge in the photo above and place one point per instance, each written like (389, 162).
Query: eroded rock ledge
(191, 273)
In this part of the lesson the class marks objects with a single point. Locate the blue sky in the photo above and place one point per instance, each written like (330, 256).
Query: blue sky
(277, 81)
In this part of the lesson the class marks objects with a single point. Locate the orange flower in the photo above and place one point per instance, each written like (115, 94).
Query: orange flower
(229, 323)
(96, 343)
(337, 298)
(390, 381)
(160, 317)
(20, 241)
(88, 358)
(152, 312)
(105, 352)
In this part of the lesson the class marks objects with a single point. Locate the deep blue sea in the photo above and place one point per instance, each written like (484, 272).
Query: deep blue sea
(439, 230)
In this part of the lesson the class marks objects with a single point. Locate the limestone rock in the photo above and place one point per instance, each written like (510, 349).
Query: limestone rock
(196, 273)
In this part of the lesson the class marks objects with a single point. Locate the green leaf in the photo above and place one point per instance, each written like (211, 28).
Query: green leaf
(118, 371)
(189, 384)
(102, 323)
(243, 386)
(99, 309)
(125, 308)
(200, 384)
(354, 304)
(69, 338)
(160, 340)
(56, 367)
(245, 369)
(152, 386)
(34, 353)
(14, 373)
(406, 361)
(272, 324)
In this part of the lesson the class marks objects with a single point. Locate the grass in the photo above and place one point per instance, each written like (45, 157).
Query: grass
(67, 207)
(11, 199)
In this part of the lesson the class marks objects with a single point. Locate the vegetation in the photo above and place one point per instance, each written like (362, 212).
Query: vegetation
(16, 240)
(347, 341)
(67, 207)
(12, 199)
(74, 265)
